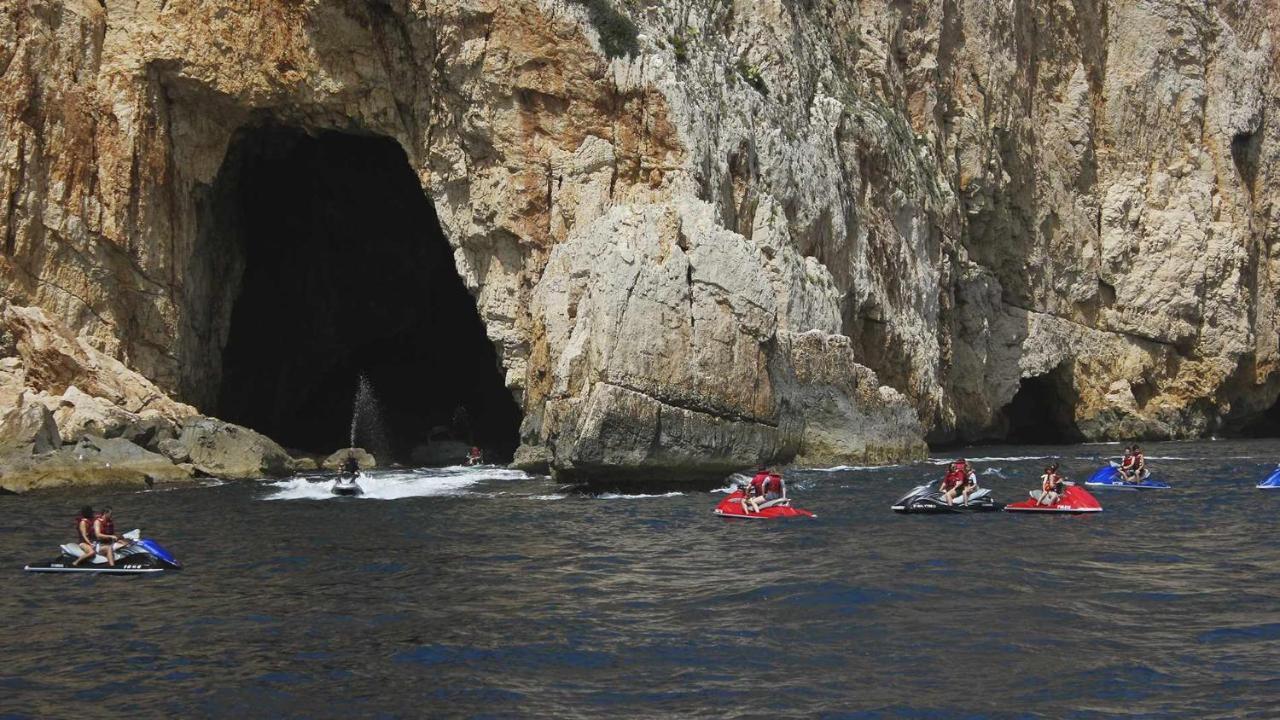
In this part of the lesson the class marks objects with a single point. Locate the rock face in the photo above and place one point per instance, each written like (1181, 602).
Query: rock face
(711, 235)
(91, 461)
(363, 458)
(224, 450)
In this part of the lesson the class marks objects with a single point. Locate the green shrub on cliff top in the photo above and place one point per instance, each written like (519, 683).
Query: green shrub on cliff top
(617, 32)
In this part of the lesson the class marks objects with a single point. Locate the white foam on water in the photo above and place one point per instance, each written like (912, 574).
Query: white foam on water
(553, 496)
(843, 468)
(396, 484)
(1011, 458)
(639, 496)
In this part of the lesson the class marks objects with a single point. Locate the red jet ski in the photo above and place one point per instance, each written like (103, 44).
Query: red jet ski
(731, 507)
(1074, 499)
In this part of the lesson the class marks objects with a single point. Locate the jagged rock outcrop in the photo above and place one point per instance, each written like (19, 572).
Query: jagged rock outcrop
(225, 450)
(363, 457)
(745, 231)
(90, 461)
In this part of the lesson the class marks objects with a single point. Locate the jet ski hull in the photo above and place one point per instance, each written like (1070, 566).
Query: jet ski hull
(144, 556)
(1109, 478)
(1074, 500)
(1272, 482)
(731, 507)
(928, 500)
(938, 506)
(347, 486)
(123, 567)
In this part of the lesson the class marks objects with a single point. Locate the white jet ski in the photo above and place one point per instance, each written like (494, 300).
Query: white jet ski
(346, 485)
(141, 556)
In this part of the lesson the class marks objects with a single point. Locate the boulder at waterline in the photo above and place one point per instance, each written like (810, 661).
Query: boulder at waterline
(362, 456)
(228, 451)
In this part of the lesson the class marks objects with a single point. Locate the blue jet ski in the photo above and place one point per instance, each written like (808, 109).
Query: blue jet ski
(1109, 477)
(139, 557)
(1272, 482)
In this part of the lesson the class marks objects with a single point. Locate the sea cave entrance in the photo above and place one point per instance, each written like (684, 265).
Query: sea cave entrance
(346, 272)
(1041, 412)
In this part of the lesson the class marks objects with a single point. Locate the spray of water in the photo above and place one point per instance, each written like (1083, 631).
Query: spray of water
(366, 422)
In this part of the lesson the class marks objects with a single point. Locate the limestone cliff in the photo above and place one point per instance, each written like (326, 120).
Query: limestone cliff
(703, 233)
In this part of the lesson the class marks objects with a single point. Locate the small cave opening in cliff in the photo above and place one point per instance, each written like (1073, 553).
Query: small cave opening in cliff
(1265, 424)
(347, 272)
(1042, 411)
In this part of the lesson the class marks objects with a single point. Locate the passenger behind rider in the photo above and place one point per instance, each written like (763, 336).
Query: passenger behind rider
(1139, 463)
(104, 532)
(960, 478)
(84, 535)
(766, 488)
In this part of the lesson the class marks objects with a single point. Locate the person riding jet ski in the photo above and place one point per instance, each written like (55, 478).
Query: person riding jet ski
(84, 535)
(1133, 467)
(351, 466)
(1051, 485)
(346, 483)
(766, 489)
(105, 538)
(960, 478)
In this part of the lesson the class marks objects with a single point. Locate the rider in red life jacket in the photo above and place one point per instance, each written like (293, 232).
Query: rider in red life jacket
(104, 531)
(84, 535)
(1052, 485)
(1139, 464)
(774, 488)
(960, 478)
(1129, 465)
(767, 488)
(754, 493)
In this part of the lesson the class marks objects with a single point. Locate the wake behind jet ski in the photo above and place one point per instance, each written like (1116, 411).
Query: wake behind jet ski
(929, 498)
(138, 557)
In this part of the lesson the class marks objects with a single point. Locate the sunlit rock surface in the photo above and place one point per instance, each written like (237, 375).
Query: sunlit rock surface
(748, 231)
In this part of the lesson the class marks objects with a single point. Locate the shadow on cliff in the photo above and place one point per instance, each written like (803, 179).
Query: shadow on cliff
(342, 268)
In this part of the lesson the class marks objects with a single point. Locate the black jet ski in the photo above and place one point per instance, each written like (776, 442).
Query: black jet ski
(346, 485)
(928, 499)
(141, 556)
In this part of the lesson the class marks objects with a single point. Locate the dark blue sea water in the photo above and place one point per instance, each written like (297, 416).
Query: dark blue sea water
(491, 594)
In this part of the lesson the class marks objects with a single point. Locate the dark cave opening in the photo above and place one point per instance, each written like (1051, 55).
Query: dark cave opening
(1265, 424)
(1041, 412)
(346, 271)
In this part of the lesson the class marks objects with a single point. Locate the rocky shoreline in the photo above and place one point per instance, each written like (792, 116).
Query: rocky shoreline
(94, 421)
